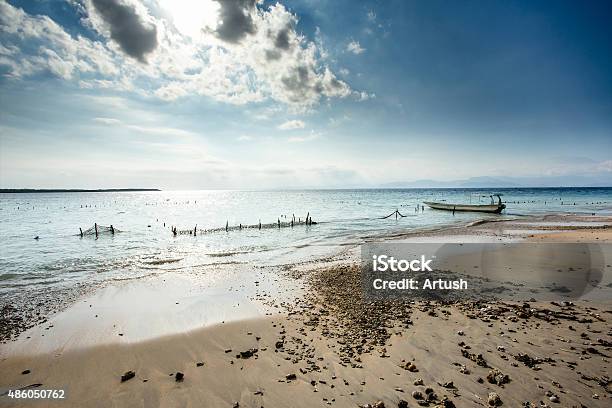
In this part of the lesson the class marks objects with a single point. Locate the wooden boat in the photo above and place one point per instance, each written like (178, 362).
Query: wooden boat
(494, 207)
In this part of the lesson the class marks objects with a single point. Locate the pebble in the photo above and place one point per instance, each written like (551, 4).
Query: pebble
(417, 395)
(128, 375)
(497, 377)
(494, 400)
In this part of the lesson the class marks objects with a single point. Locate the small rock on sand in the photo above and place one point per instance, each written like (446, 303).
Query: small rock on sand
(247, 353)
(494, 400)
(128, 375)
(497, 377)
(179, 377)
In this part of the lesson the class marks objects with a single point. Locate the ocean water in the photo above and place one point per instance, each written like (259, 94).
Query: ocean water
(143, 245)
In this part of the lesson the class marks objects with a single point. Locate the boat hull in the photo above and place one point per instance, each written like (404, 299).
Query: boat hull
(493, 209)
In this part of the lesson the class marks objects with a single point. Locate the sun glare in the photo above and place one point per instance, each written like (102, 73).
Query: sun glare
(191, 16)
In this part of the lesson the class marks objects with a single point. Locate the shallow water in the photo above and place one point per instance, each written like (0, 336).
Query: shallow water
(142, 244)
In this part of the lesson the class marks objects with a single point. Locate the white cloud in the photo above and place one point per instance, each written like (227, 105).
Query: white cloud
(160, 131)
(49, 48)
(292, 124)
(244, 138)
(108, 121)
(150, 130)
(363, 96)
(605, 166)
(257, 57)
(340, 120)
(355, 47)
(305, 138)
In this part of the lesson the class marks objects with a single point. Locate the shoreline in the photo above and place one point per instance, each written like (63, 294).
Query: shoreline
(541, 228)
(365, 351)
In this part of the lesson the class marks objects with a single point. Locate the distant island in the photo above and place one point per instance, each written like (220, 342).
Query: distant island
(75, 190)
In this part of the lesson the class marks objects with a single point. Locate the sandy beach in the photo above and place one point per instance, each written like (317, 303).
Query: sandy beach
(299, 203)
(322, 344)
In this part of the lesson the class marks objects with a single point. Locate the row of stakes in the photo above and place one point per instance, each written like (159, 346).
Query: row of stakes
(259, 226)
(227, 228)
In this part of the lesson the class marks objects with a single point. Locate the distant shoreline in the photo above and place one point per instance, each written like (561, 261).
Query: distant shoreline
(59, 190)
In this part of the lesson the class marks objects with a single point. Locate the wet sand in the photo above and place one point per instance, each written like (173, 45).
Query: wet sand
(329, 347)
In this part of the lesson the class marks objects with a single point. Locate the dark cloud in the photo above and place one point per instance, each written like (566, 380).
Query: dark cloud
(302, 83)
(282, 39)
(135, 37)
(236, 20)
(282, 42)
(272, 55)
(299, 83)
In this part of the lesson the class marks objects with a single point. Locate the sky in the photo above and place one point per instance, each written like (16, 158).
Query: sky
(246, 94)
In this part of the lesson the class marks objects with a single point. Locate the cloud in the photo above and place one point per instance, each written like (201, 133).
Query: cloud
(605, 166)
(107, 121)
(292, 124)
(285, 62)
(355, 48)
(30, 45)
(149, 130)
(161, 131)
(364, 96)
(340, 120)
(251, 54)
(306, 138)
(135, 36)
(236, 20)
(244, 138)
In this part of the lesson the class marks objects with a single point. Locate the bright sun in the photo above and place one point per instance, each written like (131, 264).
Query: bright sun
(191, 16)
